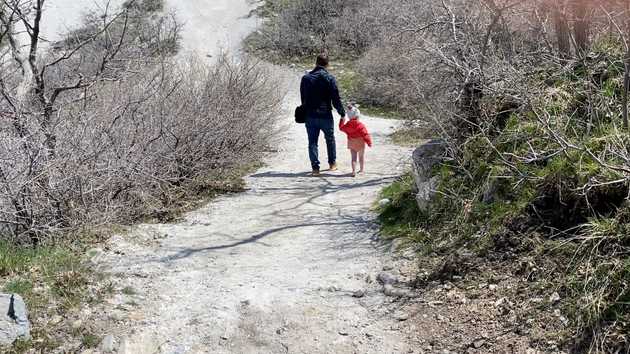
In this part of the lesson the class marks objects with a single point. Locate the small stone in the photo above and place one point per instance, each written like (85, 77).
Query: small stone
(493, 287)
(55, 320)
(384, 202)
(386, 278)
(108, 345)
(503, 302)
(479, 343)
(554, 298)
(14, 323)
(359, 294)
(401, 316)
(77, 324)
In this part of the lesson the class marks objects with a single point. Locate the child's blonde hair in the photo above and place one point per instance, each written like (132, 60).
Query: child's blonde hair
(353, 111)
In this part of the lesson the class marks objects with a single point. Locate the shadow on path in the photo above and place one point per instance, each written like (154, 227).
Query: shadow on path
(191, 251)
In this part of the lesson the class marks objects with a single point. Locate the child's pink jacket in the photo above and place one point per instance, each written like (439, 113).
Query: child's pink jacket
(356, 130)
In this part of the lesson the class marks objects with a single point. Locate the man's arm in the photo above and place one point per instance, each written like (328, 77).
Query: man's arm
(303, 90)
(336, 99)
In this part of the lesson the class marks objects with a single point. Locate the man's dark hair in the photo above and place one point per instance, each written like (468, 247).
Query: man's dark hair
(322, 60)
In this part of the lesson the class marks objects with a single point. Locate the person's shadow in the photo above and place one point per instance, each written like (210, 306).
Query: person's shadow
(274, 174)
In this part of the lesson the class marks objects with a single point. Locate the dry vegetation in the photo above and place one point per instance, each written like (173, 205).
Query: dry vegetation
(530, 99)
(108, 127)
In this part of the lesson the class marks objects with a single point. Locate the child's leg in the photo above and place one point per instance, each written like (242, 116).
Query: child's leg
(362, 160)
(354, 161)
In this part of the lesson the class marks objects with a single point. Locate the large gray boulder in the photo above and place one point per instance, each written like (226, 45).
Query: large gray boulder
(14, 322)
(425, 158)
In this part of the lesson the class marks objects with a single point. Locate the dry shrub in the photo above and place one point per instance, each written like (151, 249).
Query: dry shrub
(115, 129)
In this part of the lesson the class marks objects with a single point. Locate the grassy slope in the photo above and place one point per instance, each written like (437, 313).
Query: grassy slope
(539, 227)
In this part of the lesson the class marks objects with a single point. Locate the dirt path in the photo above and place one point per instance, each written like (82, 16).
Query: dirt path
(270, 270)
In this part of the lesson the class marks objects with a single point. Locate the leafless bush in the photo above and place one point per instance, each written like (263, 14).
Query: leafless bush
(106, 127)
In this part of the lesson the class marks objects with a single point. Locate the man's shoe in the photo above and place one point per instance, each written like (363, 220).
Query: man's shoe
(315, 173)
(333, 167)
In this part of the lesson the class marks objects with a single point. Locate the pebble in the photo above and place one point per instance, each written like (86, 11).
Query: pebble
(401, 316)
(108, 345)
(55, 320)
(479, 343)
(77, 324)
(384, 202)
(359, 293)
(554, 298)
(386, 278)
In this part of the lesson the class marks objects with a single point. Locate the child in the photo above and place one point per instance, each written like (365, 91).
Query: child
(358, 137)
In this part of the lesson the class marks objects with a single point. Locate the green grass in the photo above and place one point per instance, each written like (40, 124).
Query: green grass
(128, 290)
(89, 340)
(410, 137)
(401, 217)
(51, 279)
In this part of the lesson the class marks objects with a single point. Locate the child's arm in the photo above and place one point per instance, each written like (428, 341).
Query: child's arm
(342, 124)
(366, 136)
(368, 139)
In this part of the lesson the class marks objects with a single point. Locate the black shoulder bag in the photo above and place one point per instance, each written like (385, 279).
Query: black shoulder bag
(300, 115)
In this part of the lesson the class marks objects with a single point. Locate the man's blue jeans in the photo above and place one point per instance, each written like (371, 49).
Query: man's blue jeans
(313, 127)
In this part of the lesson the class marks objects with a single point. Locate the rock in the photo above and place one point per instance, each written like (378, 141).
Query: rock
(140, 344)
(478, 343)
(387, 278)
(401, 316)
(390, 290)
(55, 320)
(425, 158)
(108, 345)
(77, 324)
(493, 287)
(359, 294)
(554, 298)
(14, 322)
(384, 202)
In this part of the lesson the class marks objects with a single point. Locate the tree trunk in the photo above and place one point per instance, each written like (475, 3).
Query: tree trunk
(561, 25)
(581, 27)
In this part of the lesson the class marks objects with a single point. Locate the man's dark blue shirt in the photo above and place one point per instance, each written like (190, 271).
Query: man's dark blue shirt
(320, 94)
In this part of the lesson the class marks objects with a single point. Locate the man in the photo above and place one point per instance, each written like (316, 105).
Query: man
(319, 95)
